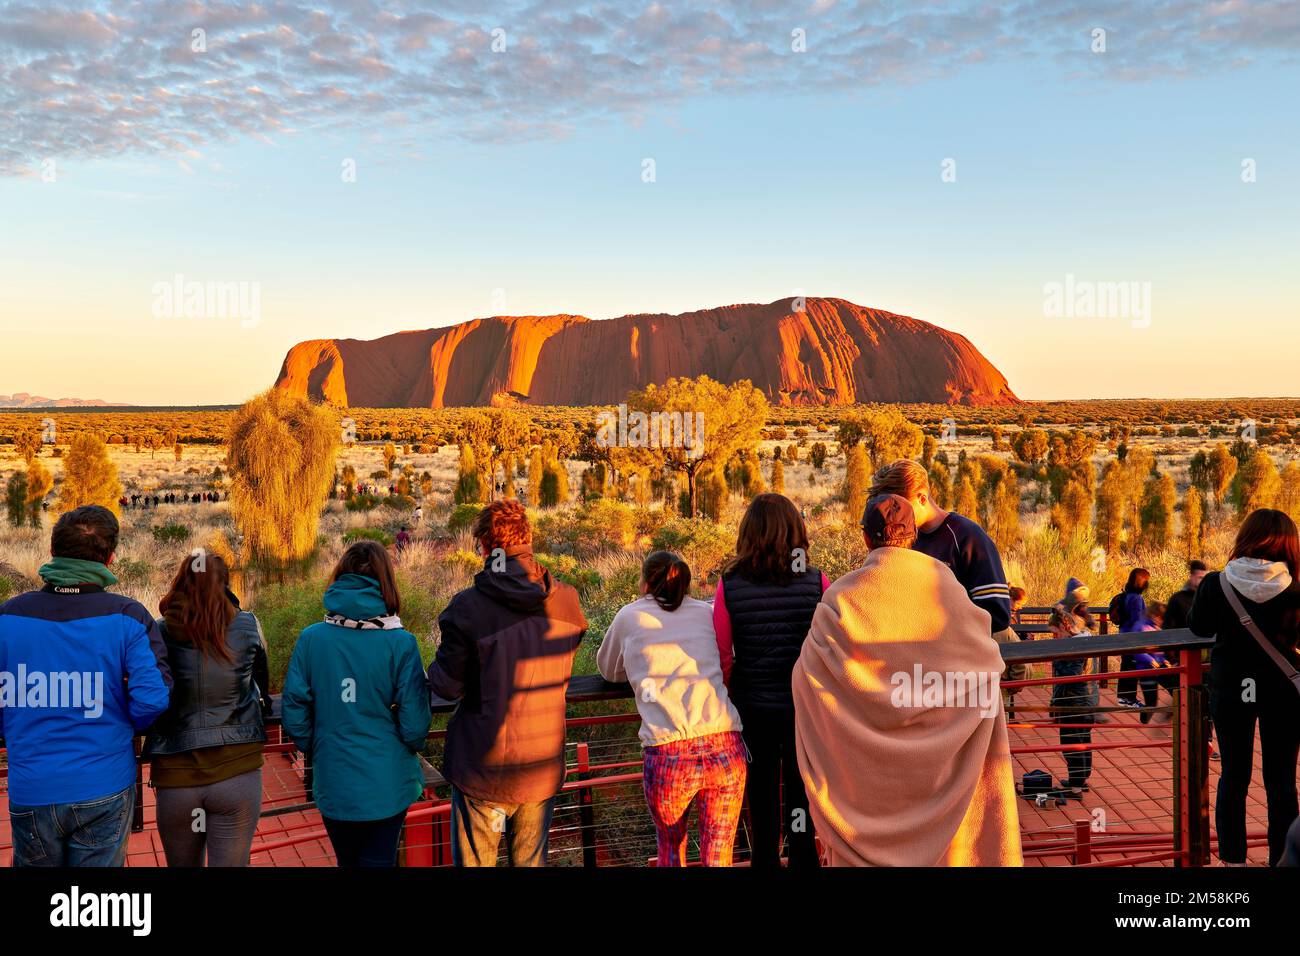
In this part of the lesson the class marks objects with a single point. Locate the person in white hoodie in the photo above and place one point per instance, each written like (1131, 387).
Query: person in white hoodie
(663, 644)
(1247, 685)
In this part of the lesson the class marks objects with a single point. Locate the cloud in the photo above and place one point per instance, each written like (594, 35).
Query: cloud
(134, 76)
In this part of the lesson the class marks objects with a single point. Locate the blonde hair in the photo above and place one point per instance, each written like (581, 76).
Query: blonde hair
(904, 477)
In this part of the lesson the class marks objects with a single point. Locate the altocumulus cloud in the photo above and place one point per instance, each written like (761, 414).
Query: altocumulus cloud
(97, 80)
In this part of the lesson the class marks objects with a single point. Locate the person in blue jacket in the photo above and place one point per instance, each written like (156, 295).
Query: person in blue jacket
(356, 703)
(82, 671)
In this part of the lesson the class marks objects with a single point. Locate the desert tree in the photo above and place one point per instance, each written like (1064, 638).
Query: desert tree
(966, 502)
(818, 455)
(940, 483)
(390, 457)
(1072, 510)
(1221, 469)
(1159, 497)
(1030, 445)
(885, 433)
(857, 482)
(1111, 506)
(89, 475)
(39, 484)
(778, 476)
(16, 499)
(1193, 533)
(1256, 484)
(719, 419)
(280, 454)
(28, 444)
(469, 488)
(928, 448)
(1288, 498)
(536, 465)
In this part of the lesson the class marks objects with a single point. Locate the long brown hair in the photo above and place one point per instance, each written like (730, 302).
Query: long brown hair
(1271, 535)
(371, 560)
(197, 607)
(770, 532)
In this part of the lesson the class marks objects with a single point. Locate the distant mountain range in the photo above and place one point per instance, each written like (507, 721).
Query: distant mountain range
(818, 351)
(24, 400)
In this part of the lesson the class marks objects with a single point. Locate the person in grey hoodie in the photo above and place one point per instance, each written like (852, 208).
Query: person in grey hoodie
(1246, 685)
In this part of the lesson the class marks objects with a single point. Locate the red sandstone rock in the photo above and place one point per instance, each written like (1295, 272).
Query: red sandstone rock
(831, 353)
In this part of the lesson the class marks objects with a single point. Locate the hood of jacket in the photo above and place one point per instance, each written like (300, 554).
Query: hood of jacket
(356, 597)
(521, 585)
(1075, 590)
(1257, 579)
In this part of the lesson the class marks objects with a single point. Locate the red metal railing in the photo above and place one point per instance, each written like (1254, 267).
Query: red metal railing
(600, 765)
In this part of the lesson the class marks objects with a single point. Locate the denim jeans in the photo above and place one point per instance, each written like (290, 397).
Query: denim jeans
(478, 825)
(90, 833)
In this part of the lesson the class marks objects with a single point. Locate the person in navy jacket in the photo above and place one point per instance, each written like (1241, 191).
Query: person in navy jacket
(82, 671)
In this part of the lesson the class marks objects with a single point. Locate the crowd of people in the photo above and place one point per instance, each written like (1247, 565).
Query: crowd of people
(136, 500)
(861, 721)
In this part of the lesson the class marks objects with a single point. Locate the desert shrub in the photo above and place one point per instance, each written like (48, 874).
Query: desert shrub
(171, 533)
(286, 610)
(132, 573)
(703, 544)
(599, 525)
(465, 561)
(363, 503)
(368, 534)
(399, 503)
(462, 516)
(836, 549)
(569, 570)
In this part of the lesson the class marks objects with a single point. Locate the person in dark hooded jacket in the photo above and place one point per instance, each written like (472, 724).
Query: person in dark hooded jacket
(506, 654)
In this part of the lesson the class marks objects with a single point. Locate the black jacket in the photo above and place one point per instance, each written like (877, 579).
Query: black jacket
(1236, 656)
(506, 653)
(1179, 608)
(215, 703)
(768, 625)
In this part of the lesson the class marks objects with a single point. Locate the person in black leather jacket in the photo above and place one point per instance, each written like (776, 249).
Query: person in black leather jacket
(206, 751)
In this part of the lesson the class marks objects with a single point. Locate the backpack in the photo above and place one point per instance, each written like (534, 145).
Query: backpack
(1035, 782)
(1115, 609)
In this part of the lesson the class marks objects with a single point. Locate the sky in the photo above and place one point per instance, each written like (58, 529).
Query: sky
(354, 169)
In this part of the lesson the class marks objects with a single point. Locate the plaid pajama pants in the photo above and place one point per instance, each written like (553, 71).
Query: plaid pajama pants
(709, 771)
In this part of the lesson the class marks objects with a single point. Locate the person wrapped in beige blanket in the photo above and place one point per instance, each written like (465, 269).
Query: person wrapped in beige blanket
(900, 729)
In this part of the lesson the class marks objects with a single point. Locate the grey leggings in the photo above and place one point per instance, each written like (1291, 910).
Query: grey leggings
(224, 828)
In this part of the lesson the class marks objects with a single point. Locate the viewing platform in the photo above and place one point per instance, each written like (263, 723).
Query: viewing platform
(1149, 802)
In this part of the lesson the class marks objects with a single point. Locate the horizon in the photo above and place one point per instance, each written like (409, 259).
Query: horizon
(364, 171)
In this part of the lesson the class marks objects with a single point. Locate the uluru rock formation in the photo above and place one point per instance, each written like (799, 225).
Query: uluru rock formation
(831, 353)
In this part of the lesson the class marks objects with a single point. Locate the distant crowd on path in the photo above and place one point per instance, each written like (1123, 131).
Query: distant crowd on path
(805, 700)
(171, 498)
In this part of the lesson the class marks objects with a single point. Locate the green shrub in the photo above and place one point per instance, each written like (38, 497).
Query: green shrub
(567, 569)
(368, 534)
(703, 544)
(171, 533)
(462, 517)
(598, 526)
(286, 610)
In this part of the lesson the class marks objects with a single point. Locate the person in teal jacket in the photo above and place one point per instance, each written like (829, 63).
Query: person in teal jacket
(356, 703)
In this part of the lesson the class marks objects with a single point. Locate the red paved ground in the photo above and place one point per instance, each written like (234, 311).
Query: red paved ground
(1133, 787)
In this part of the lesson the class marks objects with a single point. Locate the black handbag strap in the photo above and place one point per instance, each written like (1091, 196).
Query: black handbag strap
(1252, 628)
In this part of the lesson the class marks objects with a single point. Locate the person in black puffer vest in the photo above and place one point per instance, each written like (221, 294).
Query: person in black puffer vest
(761, 615)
